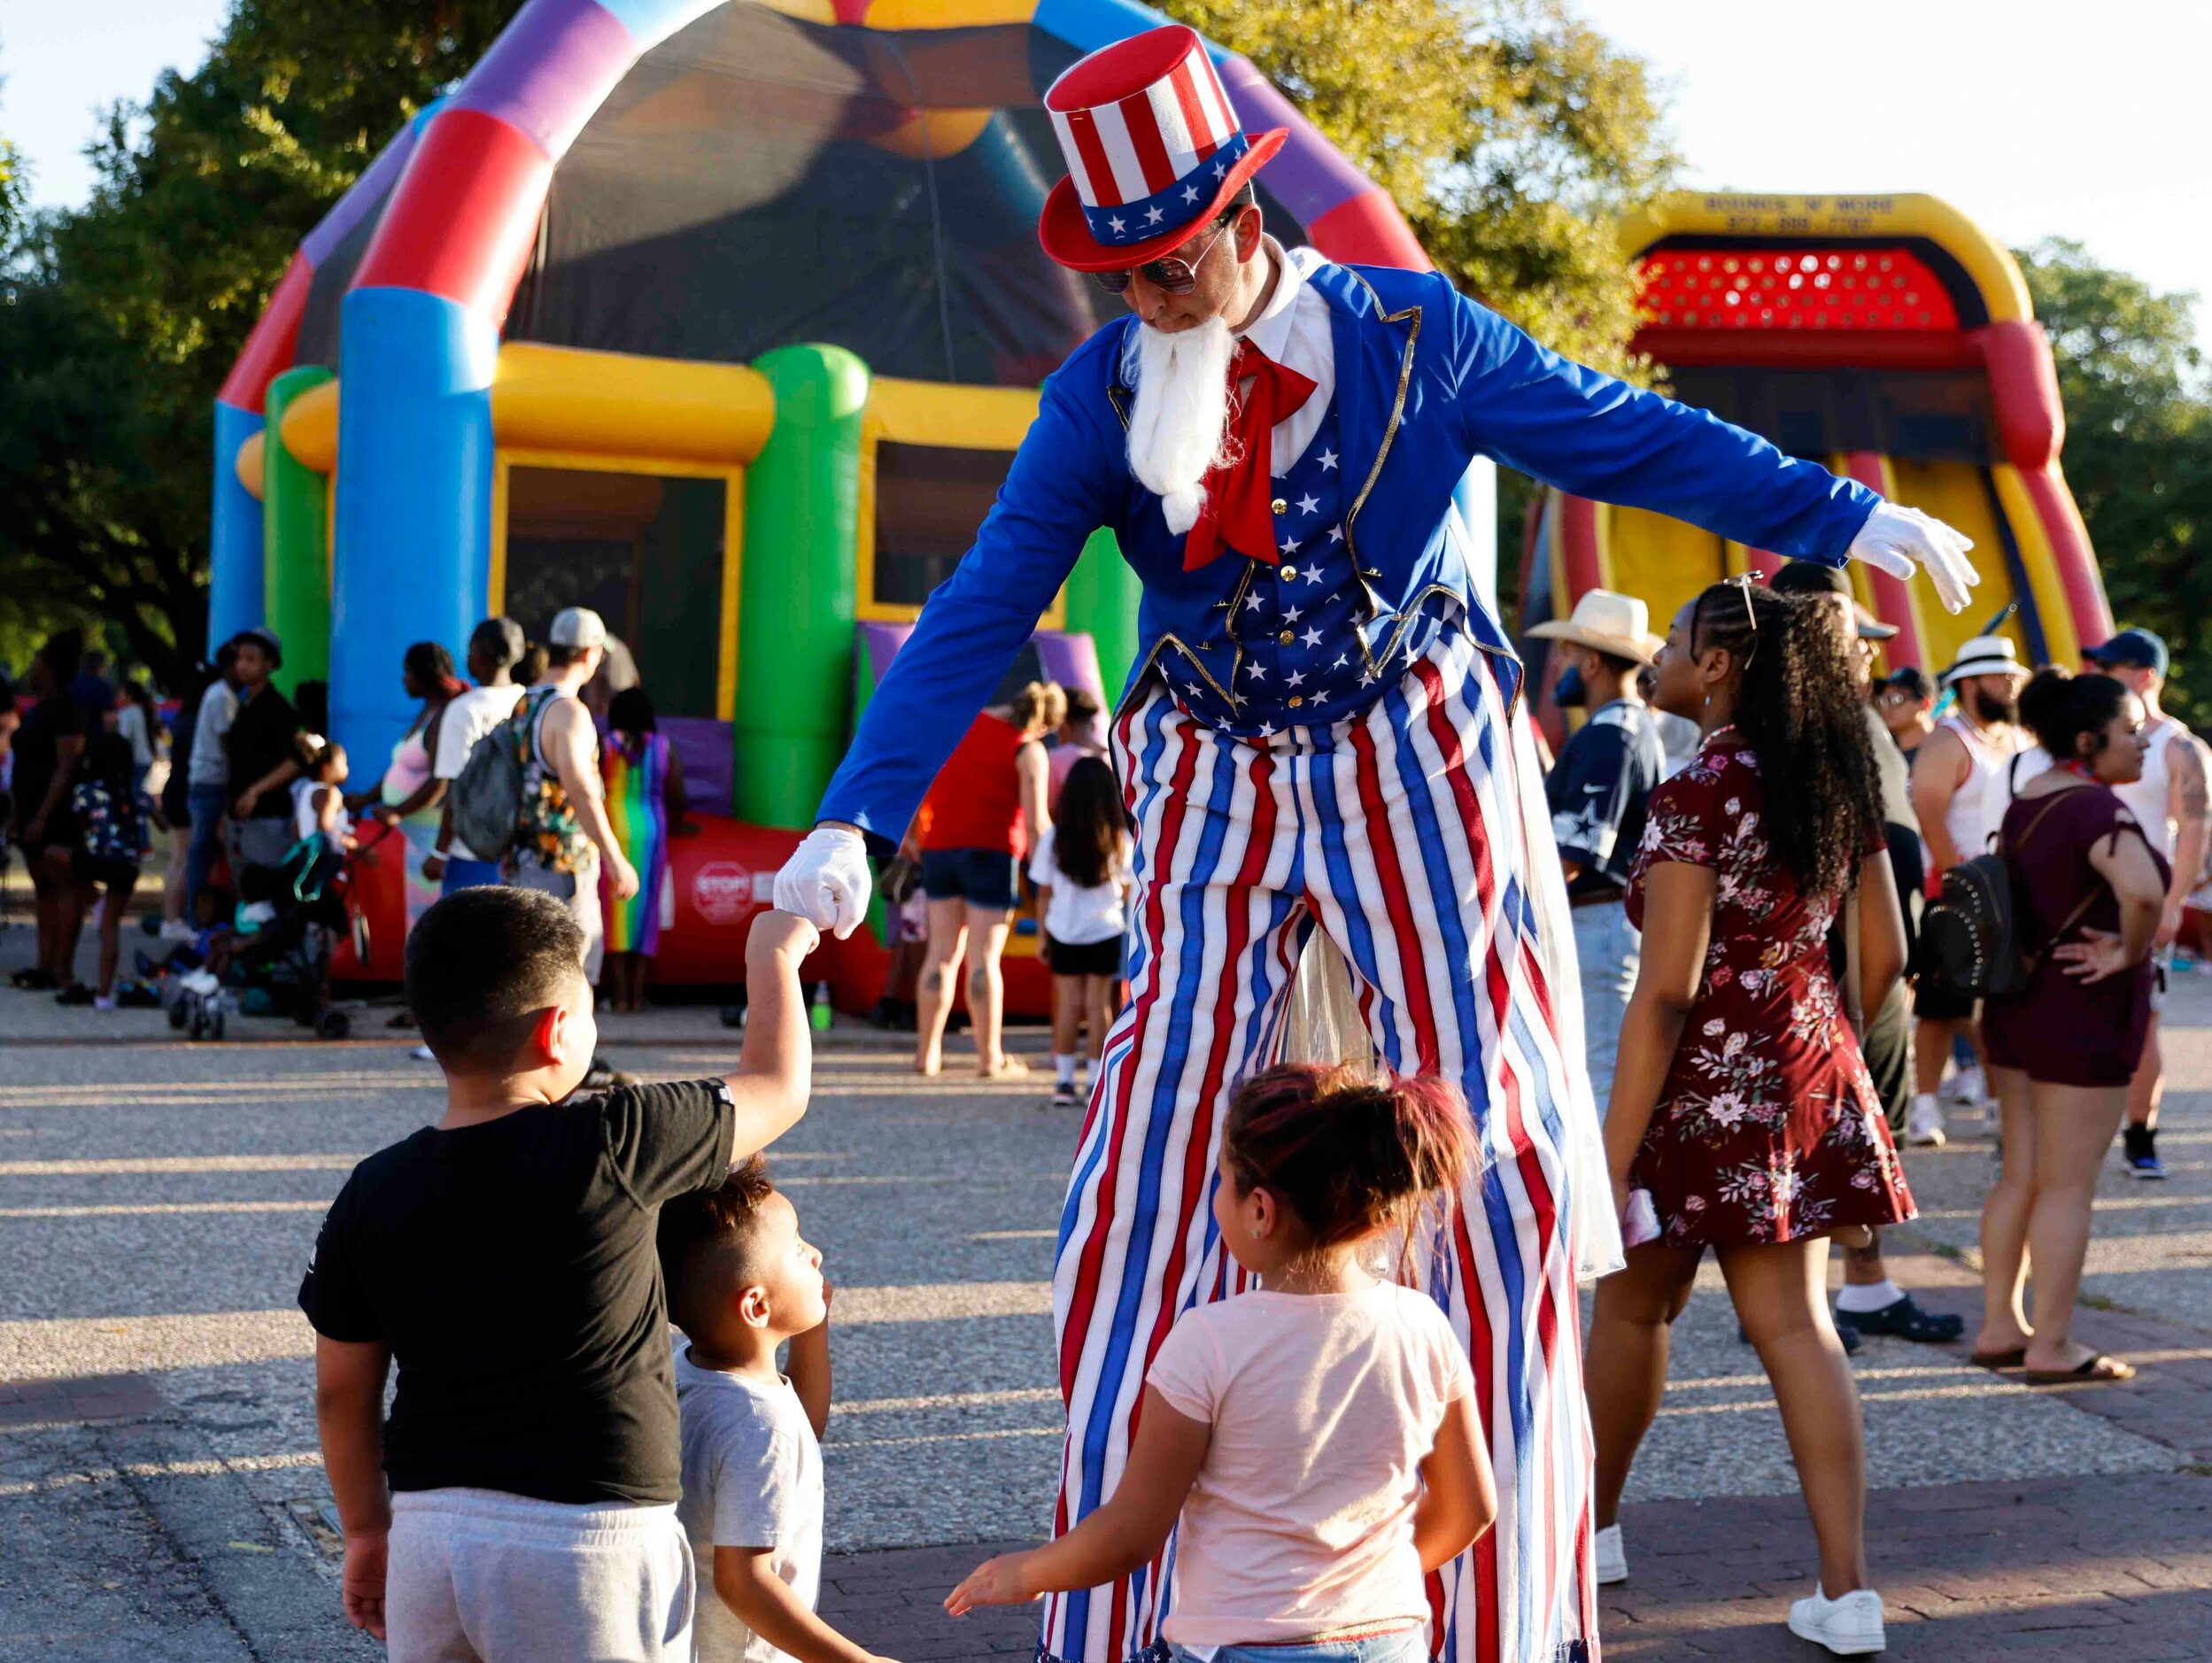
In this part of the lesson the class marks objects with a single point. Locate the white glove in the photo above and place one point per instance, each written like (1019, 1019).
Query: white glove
(1895, 540)
(825, 881)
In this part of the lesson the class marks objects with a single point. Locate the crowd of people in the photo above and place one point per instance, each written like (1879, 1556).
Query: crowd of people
(247, 777)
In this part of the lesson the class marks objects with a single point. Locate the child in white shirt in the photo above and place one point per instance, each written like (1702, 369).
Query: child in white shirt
(1080, 867)
(318, 793)
(742, 1282)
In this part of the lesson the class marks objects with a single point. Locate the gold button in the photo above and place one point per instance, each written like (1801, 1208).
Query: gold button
(1297, 700)
(1280, 506)
(1288, 574)
(1287, 638)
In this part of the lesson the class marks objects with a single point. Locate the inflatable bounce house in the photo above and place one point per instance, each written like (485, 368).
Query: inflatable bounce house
(724, 319)
(1889, 338)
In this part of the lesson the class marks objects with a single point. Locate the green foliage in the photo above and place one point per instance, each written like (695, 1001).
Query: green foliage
(1509, 134)
(118, 321)
(2138, 449)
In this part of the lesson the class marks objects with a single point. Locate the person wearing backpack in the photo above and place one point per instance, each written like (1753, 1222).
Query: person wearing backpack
(494, 647)
(561, 832)
(2085, 892)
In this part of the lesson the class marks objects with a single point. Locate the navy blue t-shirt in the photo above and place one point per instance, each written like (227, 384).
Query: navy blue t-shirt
(1598, 791)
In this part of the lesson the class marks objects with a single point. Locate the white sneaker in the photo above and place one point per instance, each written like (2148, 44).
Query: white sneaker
(176, 930)
(1923, 1123)
(1849, 1627)
(1612, 1559)
(1967, 1088)
(424, 1053)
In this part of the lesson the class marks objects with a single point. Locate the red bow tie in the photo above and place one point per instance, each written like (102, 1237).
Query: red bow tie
(1239, 512)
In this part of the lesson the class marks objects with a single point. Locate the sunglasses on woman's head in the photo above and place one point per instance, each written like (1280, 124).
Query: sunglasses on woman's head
(1168, 274)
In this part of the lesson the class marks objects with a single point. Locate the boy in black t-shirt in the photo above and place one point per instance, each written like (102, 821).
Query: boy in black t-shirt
(520, 1501)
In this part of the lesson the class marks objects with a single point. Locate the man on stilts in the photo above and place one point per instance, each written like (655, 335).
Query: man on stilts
(1322, 732)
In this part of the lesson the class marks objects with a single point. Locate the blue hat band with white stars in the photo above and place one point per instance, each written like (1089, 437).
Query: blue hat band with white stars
(1165, 213)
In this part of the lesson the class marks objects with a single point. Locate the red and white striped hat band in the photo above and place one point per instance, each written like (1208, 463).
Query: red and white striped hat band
(1148, 135)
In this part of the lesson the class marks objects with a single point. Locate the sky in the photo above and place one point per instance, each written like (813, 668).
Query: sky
(2036, 117)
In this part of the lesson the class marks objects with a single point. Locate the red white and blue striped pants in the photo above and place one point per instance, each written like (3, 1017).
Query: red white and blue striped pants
(1398, 833)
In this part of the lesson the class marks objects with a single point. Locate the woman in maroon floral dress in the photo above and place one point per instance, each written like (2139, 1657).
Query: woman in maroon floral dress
(1741, 1106)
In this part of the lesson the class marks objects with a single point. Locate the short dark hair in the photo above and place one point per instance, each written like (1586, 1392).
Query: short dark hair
(482, 964)
(1810, 577)
(1914, 680)
(706, 1242)
(1616, 663)
(630, 711)
(63, 654)
(558, 657)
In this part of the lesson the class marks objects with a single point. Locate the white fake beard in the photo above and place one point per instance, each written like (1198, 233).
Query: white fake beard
(1180, 426)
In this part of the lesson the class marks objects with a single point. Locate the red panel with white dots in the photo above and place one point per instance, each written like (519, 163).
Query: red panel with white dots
(1799, 287)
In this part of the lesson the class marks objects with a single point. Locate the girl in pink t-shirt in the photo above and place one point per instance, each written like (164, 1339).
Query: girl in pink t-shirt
(1316, 1436)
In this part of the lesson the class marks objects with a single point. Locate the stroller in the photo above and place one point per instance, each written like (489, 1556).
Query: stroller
(278, 961)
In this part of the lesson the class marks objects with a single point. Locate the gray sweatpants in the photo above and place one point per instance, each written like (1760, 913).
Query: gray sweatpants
(579, 892)
(481, 1576)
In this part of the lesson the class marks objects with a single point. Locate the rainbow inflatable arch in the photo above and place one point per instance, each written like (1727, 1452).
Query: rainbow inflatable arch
(724, 317)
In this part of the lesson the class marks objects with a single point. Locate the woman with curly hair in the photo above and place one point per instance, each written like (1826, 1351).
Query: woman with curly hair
(1741, 1117)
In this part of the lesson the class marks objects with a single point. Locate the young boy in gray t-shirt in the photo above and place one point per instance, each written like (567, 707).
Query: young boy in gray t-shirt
(741, 1282)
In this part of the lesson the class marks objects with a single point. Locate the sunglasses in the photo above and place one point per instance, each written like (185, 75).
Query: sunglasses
(1167, 273)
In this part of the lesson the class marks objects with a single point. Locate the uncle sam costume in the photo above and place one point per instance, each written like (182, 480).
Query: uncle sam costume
(1323, 736)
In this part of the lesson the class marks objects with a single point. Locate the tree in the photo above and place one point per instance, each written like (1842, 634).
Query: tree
(118, 321)
(2138, 446)
(1509, 134)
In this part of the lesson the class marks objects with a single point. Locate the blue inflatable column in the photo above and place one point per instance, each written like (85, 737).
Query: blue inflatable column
(236, 592)
(413, 522)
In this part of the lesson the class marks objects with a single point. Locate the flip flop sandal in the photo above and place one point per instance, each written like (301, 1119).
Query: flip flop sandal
(2012, 1358)
(2098, 1370)
(1009, 1068)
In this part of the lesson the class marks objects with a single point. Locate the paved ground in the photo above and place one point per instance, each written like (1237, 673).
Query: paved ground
(160, 1496)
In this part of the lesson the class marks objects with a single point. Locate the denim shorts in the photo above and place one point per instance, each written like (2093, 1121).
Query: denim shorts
(986, 879)
(1403, 1645)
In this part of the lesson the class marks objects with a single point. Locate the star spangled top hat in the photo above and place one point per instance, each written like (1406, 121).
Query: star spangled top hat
(1153, 148)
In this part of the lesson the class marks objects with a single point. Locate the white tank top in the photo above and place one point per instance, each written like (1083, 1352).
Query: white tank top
(2149, 798)
(1977, 808)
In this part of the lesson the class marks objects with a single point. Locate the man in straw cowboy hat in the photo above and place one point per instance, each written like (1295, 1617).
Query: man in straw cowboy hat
(1598, 791)
(1322, 733)
(1964, 779)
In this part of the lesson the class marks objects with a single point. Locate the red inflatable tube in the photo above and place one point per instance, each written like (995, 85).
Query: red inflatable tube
(268, 351)
(2070, 554)
(2023, 384)
(1366, 231)
(463, 217)
(1892, 601)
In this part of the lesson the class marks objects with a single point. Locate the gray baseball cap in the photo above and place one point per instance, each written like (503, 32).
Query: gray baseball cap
(577, 627)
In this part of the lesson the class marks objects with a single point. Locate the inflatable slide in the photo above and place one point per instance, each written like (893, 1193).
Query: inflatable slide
(1889, 338)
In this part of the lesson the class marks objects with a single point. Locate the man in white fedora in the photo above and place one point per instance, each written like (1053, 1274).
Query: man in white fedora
(1598, 791)
(1963, 780)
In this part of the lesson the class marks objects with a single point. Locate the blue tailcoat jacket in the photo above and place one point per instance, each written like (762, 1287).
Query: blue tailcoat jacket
(1427, 380)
